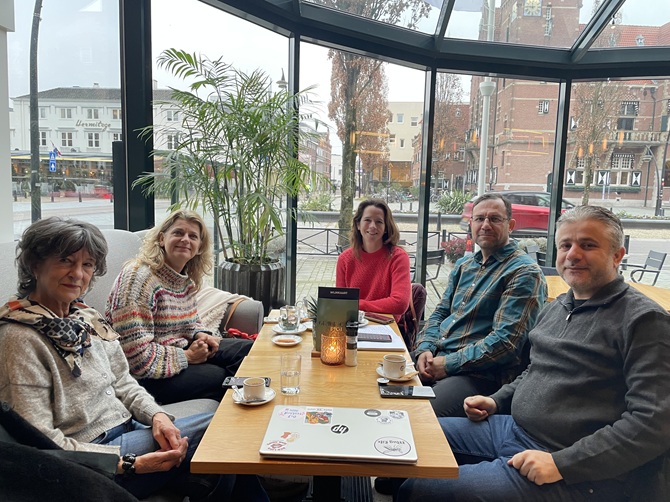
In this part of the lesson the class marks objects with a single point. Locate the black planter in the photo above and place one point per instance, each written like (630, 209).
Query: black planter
(264, 283)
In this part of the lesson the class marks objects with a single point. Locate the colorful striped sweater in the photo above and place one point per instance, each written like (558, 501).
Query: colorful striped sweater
(155, 313)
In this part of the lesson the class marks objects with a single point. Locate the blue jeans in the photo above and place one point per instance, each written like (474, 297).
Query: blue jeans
(134, 437)
(482, 450)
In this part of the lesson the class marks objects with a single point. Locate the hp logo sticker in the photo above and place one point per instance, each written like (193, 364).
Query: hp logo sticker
(339, 429)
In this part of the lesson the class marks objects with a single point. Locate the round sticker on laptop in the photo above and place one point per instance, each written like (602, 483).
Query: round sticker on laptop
(372, 412)
(277, 445)
(392, 446)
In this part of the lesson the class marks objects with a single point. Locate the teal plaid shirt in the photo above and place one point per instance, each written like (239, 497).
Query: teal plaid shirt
(481, 324)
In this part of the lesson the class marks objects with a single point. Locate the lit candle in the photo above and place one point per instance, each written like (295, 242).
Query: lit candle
(333, 345)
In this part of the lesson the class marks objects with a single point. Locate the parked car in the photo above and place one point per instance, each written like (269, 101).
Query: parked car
(529, 209)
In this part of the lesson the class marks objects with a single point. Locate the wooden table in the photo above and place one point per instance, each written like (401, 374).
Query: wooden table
(556, 286)
(232, 440)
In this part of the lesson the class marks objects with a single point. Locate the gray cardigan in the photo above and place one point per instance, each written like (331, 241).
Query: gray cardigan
(597, 391)
(70, 410)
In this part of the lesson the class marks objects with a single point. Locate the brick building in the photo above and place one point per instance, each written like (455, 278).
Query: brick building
(618, 130)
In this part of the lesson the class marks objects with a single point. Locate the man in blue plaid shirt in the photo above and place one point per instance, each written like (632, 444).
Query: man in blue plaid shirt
(476, 339)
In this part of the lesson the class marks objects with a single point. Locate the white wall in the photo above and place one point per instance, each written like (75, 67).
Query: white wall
(6, 207)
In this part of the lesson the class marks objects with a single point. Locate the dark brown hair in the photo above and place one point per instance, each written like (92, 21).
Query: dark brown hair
(391, 233)
(57, 237)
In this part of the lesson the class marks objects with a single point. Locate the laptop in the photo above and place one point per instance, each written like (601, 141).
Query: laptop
(347, 434)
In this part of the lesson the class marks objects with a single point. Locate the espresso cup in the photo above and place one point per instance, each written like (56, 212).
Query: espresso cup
(254, 388)
(394, 365)
(361, 316)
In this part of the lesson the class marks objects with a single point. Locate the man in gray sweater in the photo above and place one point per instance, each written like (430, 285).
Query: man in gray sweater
(590, 416)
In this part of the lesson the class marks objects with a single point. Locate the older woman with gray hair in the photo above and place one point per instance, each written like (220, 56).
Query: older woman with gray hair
(65, 372)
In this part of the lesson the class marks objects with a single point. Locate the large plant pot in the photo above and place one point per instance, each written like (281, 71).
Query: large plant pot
(264, 283)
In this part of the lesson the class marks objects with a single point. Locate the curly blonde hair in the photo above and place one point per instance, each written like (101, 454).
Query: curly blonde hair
(152, 254)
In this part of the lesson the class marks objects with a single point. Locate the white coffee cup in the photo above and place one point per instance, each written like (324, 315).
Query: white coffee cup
(361, 315)
(394, 365)
(254, 388)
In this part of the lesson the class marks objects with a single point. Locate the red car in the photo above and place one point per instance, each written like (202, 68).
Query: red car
(529, 209)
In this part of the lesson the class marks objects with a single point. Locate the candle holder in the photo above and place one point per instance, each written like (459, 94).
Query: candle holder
(333, 346)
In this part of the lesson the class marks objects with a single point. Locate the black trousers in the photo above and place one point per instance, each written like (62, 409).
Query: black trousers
(452, 390)
(201, 380)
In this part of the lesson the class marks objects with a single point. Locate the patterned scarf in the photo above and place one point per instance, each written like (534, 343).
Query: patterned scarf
(70, 336)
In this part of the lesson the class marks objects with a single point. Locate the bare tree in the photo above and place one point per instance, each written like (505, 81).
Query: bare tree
(596, 108)
(358, 93)
(450, 124)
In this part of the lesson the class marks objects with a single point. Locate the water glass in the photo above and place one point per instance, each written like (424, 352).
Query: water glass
(290, 373)
(289, 319)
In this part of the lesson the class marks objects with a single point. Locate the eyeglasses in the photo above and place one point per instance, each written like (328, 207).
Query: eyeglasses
(493, 220)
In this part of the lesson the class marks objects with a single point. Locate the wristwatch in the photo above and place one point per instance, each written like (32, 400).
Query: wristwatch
(128, 464)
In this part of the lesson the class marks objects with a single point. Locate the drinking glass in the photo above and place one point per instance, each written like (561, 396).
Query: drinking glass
(290, 373)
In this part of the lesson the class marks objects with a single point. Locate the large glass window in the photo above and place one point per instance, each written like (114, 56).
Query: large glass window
(617, 144)
(219, 35)
(364, 105)
(78, 70)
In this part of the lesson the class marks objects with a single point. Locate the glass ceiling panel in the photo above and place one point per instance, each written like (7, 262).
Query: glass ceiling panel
(638, 23)
(419, 15)
(541, 23)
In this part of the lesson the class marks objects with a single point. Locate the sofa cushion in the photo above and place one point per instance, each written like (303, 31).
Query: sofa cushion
(123, 246)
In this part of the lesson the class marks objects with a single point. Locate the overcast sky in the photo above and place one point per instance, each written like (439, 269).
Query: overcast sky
(78, 43)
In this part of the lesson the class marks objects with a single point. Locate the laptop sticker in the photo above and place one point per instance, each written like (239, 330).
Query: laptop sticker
(318, 416)
(393, 447)
(291, 413)
(276, 445)
(290, 436)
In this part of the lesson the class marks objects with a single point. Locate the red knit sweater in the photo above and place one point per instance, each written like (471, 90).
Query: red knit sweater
(383, 280)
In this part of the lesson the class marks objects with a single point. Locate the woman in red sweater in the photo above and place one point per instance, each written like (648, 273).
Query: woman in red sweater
(374, 263)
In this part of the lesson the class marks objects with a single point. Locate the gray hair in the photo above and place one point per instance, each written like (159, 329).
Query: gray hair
(57, 237)
(495, 196)
(612, 223)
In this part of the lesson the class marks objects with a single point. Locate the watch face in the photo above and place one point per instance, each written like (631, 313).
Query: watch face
(532, 8)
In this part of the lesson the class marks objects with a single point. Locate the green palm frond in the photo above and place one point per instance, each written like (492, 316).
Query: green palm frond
(235, 157)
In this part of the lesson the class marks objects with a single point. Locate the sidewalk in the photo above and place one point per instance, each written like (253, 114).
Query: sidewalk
(315, 271)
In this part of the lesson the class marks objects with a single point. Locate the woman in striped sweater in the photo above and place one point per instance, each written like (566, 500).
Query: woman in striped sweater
(153, 307)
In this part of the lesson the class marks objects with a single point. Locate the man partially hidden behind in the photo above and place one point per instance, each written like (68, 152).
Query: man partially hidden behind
(475, 341)
(590, 416)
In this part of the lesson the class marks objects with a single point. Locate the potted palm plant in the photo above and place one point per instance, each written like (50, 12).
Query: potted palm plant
(234, 157)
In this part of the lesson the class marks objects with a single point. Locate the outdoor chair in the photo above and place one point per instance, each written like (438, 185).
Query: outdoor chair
(652, 265)
(532, 250)
(434, 258)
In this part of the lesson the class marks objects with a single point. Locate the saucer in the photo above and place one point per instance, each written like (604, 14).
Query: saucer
(301, 328)
(410, 373)
(269, 396)
(286, 340)
(364, 323)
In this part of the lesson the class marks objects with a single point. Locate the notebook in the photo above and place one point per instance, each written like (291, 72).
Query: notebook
(323, 433)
